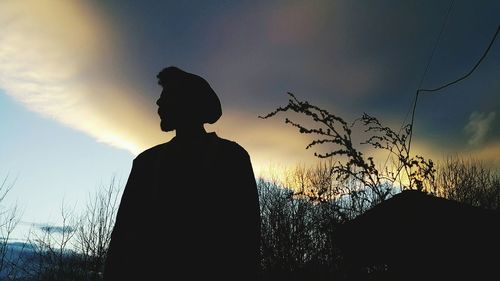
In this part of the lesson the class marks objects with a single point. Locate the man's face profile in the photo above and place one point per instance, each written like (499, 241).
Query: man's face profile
(166, 111)
(173, 112)
(186, 101)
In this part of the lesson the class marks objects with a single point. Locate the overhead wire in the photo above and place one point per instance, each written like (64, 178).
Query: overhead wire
(426, 70)
(481, 59)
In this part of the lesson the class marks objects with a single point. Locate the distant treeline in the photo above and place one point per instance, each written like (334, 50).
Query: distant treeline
(300, 214)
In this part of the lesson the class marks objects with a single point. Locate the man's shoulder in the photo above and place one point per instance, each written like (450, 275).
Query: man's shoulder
(230, 146)
(152, 152)
(221, 144)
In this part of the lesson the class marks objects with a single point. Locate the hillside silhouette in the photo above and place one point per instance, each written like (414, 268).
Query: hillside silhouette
(417, 236)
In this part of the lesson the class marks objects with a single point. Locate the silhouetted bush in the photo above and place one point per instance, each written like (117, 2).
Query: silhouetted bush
(74, 251)
(298, 230)
(468, 181)
(95, 226)
(352, 169)
(9, 218)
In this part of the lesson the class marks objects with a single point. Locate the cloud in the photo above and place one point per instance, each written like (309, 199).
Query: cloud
(54, 229)
(57, 58)
(294, 23)
(46, 227)
(59, 62)
(296, 46)
(478, 126)
(63, 60)
(489, 154)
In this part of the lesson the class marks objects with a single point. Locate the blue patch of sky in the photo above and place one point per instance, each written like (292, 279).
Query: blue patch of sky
(49, 163)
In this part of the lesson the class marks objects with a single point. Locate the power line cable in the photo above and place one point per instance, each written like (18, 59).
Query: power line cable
(427, 67)
(449, 84)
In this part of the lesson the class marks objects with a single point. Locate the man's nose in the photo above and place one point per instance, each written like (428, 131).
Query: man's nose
(158, 102)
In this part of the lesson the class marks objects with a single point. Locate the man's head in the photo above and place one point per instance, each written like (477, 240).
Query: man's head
(186, 100)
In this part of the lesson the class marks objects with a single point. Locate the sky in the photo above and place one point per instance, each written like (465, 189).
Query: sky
(78, 81)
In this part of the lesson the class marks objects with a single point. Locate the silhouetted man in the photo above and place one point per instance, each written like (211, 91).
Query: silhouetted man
(190, 209)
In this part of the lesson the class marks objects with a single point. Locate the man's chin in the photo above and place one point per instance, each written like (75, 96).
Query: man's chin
(166, 127)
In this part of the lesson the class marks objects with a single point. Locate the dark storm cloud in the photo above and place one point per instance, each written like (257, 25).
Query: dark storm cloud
(326, 50)
(348, 56)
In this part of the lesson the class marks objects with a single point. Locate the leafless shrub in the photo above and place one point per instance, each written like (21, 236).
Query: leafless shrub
(351, 170)
(468, 181)
(53, 257)
(95, 227)
(298, 230)
(75, 250)
(9, 218)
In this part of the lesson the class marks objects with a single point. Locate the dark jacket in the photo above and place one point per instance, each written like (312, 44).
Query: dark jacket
(190, 208)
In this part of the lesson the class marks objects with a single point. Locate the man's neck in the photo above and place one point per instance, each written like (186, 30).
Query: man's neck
(193, 132)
